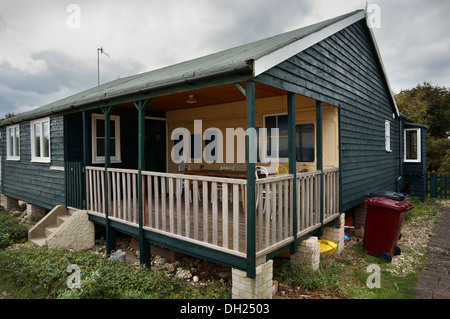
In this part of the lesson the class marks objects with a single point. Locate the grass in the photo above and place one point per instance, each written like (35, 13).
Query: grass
(346, 275)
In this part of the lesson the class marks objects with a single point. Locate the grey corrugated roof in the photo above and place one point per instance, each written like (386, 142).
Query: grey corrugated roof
(214, 65)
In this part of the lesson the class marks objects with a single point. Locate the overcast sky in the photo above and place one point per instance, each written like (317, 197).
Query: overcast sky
(48, 48)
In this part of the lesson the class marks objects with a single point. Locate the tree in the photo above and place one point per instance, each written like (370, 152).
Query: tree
(430, 105)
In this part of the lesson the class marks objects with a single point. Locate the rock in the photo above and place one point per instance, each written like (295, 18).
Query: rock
(195, 279)
(183, 273)
(225, 274)
(170, 267)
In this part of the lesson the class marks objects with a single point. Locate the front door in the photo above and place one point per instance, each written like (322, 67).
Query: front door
(155, 145)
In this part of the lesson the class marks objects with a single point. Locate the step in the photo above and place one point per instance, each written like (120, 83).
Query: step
(50, 230)
(63, 218)
(40, 241)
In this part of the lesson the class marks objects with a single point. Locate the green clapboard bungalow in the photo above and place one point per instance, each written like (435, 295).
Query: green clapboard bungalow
(109, 149)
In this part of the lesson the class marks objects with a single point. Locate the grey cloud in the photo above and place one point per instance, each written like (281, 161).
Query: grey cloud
(64, 75)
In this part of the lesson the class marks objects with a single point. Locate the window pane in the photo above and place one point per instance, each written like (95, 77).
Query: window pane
(100, 147)
(411, 145)
(46, 139)
(100, 128)
(283, 124)
(37, 139)
(305, 142)
(17, 144)
(271, 122)
(283, 147)
(11, 141)
(112, 147)
(112, 129)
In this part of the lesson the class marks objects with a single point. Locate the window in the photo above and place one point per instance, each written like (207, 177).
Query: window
(304, 138)
(387, 128)
(412, 145)
(98, 139)
(280, 122)
(13, 143)
(304, 135)
(40, 140)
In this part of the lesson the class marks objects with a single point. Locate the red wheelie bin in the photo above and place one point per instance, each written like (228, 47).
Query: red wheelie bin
(384, 221)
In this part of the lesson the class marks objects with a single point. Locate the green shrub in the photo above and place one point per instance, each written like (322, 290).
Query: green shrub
(10, 230)
(42, 273)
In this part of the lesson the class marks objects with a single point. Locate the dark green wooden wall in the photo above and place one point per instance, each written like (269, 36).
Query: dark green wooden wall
(35, 183)
(414, 174)
(343, 70)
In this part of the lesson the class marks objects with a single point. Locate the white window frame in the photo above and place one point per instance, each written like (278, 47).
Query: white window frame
(419, 148)
(14, 157)
(101, 159)
(387, 136)
(41, 158)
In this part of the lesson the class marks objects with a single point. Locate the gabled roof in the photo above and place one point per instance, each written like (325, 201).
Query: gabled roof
(247, 60)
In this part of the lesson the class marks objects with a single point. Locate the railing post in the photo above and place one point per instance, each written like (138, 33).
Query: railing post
(251, 203)
(292, 165)
(110, 233)
(319, 152)
(144, 247)
(85, 157)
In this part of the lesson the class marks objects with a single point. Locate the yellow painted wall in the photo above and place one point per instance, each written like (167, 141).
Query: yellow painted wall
(233, 115)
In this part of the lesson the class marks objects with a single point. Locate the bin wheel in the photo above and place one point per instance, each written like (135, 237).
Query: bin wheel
(397, 251)
(385, 256)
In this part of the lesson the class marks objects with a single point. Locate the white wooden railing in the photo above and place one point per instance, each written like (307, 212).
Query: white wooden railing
(330, 194)
(274, 214)
(211, 211)
(208, 211)
(308, 202)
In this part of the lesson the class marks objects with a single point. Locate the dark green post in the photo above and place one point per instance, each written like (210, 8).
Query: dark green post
(110, 233)
(251, 203)
(319, 165)
(144, 246)
(85, 155)
(292, 164)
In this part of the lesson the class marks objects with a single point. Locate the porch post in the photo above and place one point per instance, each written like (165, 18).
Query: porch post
(85, 155)
(292, 164)
(110, 233)
(144, 247)
(319, 165)
(251, 204)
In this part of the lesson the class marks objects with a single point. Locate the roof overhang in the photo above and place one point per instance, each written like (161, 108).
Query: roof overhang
(264, 63)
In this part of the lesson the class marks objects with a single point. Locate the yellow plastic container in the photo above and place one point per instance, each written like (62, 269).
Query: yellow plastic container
(327, 247)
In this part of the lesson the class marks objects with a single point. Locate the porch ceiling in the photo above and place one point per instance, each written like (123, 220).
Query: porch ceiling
(226, 93)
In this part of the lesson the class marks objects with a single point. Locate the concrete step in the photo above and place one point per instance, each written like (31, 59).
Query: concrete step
(62, 219)
(50, 230)
(38, 241)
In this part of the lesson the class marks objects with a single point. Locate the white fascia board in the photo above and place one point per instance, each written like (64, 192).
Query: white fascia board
(272, 59)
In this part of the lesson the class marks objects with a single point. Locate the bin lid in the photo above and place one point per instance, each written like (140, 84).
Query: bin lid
(389, 204)
(388, 194)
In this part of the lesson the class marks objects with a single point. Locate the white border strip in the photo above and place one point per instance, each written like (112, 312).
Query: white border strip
(272, 59)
